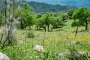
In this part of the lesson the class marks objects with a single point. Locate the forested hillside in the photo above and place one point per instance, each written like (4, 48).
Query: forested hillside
(43, 7)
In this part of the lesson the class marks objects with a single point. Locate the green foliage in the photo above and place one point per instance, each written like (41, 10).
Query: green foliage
(73, 52)
(75, 55)
(30, 35)
(38, 20)
(57, 22)
(75, 23)
(54, 43)
(1, 19)
(27, 16)
(50, 18)
(65, 16)
(70, 13)
(82, 14)
(46, 19)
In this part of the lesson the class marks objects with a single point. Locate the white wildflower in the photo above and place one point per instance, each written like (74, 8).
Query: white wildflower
(31, 57)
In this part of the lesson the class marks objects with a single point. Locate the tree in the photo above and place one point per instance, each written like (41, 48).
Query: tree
(46, 20)
(49, 21)
(57, 22)
(10, 22)
(70, 12)
(38, 20)
(65, 16)
(27, 16)
(81, 18)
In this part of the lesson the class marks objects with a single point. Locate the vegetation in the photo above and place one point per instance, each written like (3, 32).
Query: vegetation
(42, 7)
(26, 15)
(52, 30)
(30, 35)
(81, 18)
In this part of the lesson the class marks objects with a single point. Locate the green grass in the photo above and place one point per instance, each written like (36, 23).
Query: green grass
(54, 43)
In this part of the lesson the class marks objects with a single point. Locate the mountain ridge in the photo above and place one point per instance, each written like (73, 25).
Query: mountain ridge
(77, 3)
(44, 7)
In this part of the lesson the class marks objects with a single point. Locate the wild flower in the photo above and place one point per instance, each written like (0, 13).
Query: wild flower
(31, 57)
(73, 42)
(57, 38)
(37, 56)
(46, 41)
(69, 36)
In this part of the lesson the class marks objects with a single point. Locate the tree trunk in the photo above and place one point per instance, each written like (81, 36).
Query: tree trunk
(44, 28)
(1, 37)
(29, 27)
(5, 8)
(21, 25)
(48, 27)
(76, 31)
(86, 25)
(37, 27)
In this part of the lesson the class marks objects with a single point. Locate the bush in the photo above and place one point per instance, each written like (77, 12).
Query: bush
(30, 35)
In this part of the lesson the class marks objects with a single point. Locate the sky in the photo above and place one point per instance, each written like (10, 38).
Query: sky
(77, 3)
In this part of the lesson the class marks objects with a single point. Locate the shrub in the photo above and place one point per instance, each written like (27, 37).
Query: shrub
(30, 35)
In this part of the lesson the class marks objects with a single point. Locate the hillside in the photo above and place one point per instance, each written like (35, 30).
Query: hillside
(77, 3)
(1, 5)
(43, 7)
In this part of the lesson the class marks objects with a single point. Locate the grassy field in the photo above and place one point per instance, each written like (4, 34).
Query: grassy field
(56, 42)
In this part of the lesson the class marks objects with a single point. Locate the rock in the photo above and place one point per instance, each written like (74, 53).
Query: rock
(73, 42)
(88, 55)
(3, 57)
(39, 48)
(61, 55)
(80, 53)
(66, 53)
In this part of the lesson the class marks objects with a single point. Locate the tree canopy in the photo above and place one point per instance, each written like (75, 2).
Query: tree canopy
(81, 17)
(26, 15)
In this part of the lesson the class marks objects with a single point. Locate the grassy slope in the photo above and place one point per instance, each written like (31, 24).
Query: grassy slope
(54, 43)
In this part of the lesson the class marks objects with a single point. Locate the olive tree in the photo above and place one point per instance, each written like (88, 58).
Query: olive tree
(10, 24)
(26, 16)
(81, 17)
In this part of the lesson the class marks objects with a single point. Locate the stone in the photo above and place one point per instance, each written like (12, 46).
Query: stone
(3, 56)
(39, 48)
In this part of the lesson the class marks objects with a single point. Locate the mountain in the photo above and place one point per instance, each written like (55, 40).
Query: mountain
(43, 7)
(1, 4)
(77, 3)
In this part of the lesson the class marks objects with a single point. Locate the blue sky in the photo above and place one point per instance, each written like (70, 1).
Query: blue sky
(77, 3)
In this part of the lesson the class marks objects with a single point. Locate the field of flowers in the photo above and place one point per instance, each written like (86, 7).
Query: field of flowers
(55, 45)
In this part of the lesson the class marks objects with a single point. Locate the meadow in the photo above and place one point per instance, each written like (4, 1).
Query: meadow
(55, 43)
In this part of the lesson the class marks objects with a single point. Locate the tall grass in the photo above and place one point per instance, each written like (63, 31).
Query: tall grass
(54, 43)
